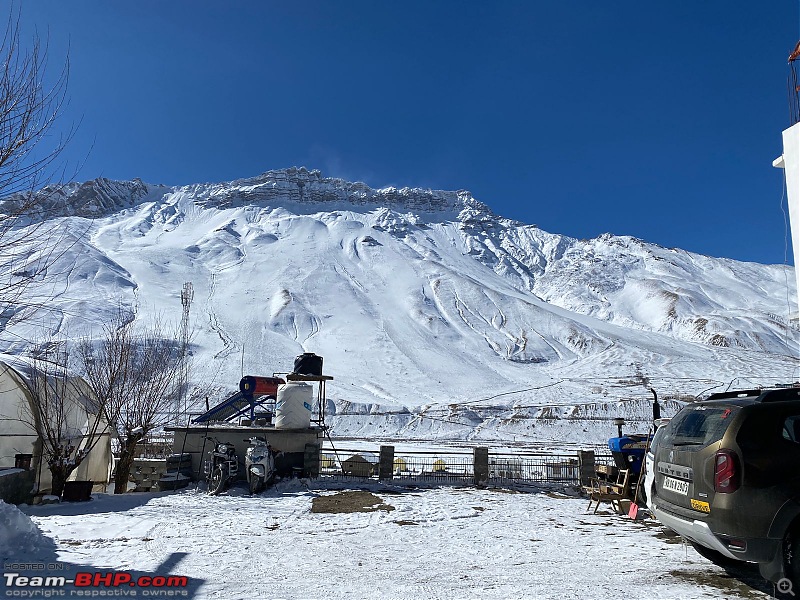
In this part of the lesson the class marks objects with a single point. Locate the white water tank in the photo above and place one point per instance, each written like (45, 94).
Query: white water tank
(294, 405)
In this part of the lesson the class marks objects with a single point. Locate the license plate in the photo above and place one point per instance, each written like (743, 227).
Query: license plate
(676, 485)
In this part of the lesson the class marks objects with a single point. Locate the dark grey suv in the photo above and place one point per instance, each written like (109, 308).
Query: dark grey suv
(727, 478)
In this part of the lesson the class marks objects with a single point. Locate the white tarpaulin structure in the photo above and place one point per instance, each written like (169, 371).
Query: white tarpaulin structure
(790, 162)
(17, 436)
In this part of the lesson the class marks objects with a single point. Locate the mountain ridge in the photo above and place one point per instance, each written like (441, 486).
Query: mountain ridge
(418, 299)
(102, 197)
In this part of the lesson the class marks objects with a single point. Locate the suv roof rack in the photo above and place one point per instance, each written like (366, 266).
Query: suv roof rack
(735, 394)
(763, 395)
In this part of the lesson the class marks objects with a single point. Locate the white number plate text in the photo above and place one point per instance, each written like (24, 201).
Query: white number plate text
(676, 485)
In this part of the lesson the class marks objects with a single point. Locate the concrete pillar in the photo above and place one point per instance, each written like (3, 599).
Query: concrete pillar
(586, 466)
(311, 461)
(386, 465)
(481, 466)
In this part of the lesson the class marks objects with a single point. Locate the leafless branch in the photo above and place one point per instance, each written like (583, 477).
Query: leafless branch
(67, 418)
(136, 375)
(30, 246)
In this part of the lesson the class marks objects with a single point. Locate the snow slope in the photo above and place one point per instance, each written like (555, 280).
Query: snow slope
(435, 316)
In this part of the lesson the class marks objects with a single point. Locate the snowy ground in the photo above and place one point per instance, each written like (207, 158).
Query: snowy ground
(433, 543)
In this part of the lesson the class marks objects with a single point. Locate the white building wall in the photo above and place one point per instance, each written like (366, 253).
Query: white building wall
(791, 165)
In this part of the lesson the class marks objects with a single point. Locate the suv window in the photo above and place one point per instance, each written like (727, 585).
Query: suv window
(699, 425)
(657, 438)
(772, 426)
(791, 429)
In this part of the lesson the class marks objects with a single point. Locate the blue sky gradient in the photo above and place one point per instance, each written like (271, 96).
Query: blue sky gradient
(658, 119)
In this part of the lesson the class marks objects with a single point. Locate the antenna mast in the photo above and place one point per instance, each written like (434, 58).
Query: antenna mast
(187, 295)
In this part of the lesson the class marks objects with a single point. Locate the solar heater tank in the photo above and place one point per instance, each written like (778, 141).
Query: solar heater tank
(260, 386)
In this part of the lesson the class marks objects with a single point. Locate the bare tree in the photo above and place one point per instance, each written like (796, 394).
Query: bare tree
(137, 376)
(29, 109)
(67, 418)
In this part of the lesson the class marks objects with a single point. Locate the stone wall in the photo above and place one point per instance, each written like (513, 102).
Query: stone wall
(16, 486)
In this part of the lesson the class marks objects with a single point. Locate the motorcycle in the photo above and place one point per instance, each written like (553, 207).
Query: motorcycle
(259, 461)
(222, 467)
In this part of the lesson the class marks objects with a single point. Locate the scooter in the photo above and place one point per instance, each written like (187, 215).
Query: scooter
(222, 467)
(259, 461)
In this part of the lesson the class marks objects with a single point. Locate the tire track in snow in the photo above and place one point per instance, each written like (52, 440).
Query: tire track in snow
(339, 267)
(229, 345)
(521, 342)
(315, 327)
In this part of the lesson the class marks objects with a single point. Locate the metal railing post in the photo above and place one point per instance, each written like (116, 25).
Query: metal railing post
(386, 464)
(586, 466)
(481, 466)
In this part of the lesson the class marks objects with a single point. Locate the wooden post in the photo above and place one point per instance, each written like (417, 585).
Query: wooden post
(586, 467)
(311, 461)
(386, 465)
(480, 457)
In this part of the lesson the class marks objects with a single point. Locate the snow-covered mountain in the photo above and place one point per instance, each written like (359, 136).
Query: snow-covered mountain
(436, 317)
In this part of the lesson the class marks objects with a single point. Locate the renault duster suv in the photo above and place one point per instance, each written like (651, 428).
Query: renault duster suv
(727, 478)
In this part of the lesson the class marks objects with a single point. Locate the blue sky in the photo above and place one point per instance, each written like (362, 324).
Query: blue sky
(653, 119)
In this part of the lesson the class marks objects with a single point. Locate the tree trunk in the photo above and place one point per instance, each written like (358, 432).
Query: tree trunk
(124, 464)
(59, 474)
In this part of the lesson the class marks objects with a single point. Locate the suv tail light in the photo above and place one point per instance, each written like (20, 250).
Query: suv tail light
(726, 472)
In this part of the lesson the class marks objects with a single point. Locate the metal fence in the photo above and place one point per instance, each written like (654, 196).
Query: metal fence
(421, 466)
(455, 467)
(533, 468)
(155, 446)
(433, 468)
(507, 468)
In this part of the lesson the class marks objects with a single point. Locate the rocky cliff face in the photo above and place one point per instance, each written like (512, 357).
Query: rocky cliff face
(299, 185)
(91, 199)
(102, 197)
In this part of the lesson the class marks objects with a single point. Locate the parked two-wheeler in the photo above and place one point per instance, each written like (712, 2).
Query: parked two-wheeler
(222, 467)
(259, 461)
